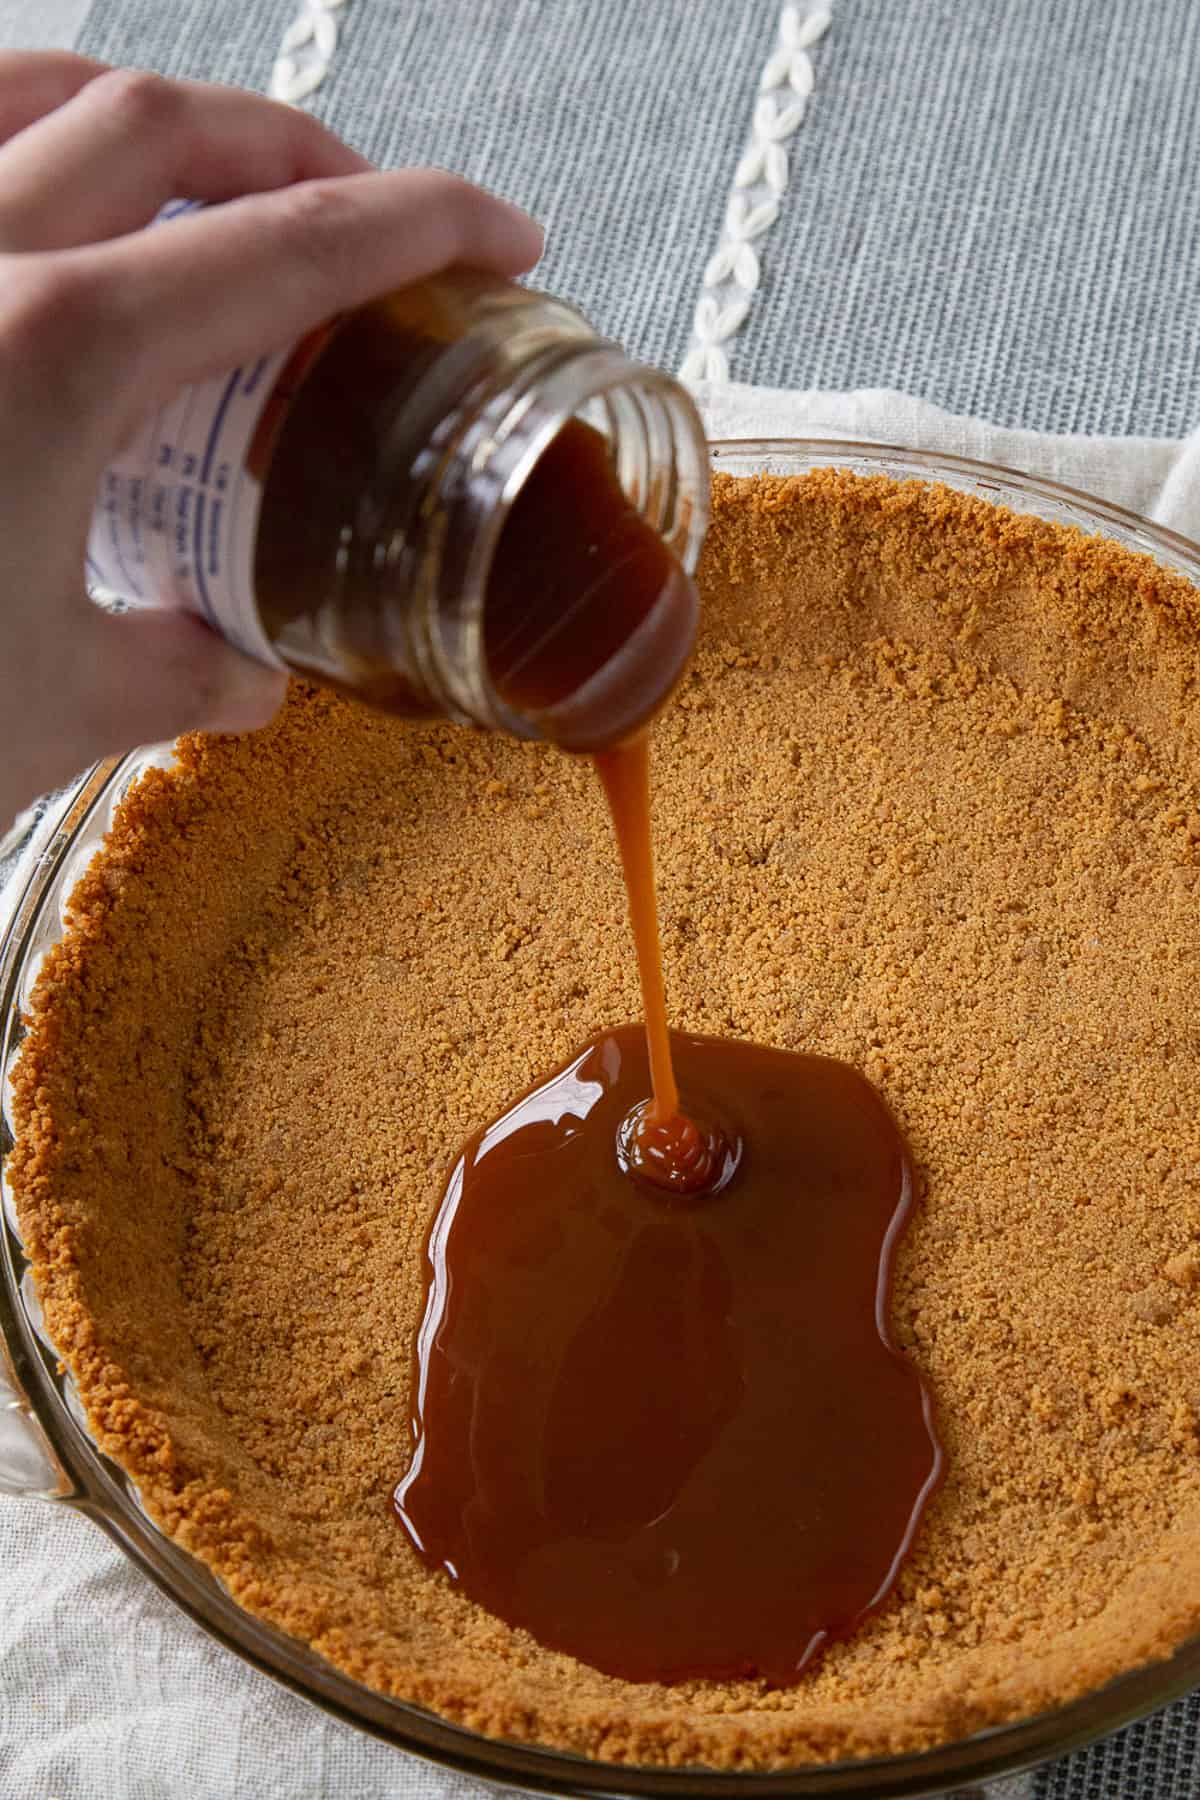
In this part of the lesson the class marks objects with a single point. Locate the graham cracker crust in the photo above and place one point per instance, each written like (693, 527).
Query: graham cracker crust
(927, 801)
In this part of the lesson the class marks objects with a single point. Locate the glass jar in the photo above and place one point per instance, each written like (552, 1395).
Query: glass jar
(457, 500)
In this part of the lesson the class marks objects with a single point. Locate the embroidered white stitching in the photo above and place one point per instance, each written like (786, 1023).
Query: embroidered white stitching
(305, 51)
(734, 270)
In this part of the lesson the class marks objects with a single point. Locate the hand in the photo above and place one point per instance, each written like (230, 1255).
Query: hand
(101, 322)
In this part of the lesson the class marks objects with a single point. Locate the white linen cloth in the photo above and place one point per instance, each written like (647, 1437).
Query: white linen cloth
(1158, 477)
(105, 1689)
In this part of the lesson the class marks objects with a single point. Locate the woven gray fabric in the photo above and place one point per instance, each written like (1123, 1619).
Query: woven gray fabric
(1159, 1760)
(996, 208)
(993, 205)
(617, 124)
(994, 202)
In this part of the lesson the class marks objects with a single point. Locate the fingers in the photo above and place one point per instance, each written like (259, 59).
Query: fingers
(109, 682)
(125, 142)
(33, 84)
(213, 289)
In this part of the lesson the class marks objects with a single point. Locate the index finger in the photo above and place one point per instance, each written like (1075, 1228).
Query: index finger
(36, 82)
(109, 158)
(199, 295)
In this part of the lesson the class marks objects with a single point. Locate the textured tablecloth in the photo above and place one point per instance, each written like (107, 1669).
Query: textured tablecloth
(988, 203)
(991, 203)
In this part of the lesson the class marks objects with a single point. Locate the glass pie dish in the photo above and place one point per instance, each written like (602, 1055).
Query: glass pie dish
(46, 1451)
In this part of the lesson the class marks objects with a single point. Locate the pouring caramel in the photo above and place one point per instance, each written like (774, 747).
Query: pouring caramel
(659, 1420)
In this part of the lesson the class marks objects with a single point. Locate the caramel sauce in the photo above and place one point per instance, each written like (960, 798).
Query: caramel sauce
(659, 1421)
(625, 776)
(671, 1435)
(589, 619)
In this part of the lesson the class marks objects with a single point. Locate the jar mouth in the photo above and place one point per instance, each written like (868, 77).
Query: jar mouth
(654, 449)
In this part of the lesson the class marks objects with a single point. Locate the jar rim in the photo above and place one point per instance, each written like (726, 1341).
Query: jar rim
(511, 435)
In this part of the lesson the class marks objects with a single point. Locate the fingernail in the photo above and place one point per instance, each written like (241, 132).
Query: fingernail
(533, 236)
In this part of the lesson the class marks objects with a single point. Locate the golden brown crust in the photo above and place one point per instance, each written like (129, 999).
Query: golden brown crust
(926, 801)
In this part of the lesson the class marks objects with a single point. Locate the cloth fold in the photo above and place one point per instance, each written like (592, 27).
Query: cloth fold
(1157, 477)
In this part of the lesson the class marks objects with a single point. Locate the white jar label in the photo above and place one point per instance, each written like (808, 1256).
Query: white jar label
(176, 519)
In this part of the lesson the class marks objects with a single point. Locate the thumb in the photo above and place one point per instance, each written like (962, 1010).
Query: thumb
(112, 681)
(156, 674)
(123, 679)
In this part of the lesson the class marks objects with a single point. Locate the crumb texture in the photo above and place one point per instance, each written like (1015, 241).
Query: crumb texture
(926, 801)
